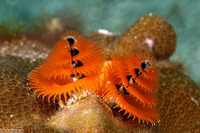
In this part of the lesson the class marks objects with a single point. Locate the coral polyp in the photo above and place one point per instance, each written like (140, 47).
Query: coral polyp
(131, 81)
(70, 69)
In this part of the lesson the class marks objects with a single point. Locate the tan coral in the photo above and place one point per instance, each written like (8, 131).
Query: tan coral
(19, 107)
(179, 103)
(92, 115)
(152, 35)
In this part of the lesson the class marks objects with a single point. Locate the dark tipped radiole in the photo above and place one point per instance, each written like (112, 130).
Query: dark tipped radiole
(74, 52)
(71, 40)
(145, 64)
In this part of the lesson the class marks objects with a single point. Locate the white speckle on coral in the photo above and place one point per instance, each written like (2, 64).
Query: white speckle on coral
(149, 43)
(135, 37)
(104, 32)
(86, 111)
(194, 100)
(70, 100)
(150, 14)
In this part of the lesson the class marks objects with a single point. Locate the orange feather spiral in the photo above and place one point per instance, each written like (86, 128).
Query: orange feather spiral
(131, 81)
(73, 67)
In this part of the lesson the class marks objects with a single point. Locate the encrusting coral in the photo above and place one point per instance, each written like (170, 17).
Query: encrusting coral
(91, 115)
(178, 96)
(20, 109)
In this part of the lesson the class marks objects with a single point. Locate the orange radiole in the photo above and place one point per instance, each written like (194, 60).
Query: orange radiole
(77, 66)
(73, 66)
(131, 81)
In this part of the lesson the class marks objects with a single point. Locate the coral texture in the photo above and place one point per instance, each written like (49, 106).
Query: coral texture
(91, 115)
(19, 107)
(178, 98)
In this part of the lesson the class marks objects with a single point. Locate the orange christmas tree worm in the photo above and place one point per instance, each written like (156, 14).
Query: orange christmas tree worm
(72, 67)
(131, 81)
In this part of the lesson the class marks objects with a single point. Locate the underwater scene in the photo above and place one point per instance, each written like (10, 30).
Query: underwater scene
(99, 66)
